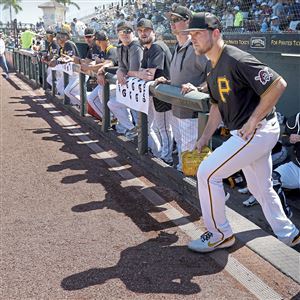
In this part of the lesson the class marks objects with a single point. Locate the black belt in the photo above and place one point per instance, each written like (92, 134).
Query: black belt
(270, 116)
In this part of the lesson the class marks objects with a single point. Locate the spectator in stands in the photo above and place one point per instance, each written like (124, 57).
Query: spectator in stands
(73, 27)
(275, 24)
(238, 17)
(130, 55)
(26, 38)
(3, 63)
(278, 9)
(94, 24)
(227, 18)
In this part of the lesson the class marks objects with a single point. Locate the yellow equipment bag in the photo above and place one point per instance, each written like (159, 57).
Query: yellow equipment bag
(192, 159)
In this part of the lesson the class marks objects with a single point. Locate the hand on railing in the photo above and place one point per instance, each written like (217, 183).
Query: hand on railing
(187, 87)
(160, 80)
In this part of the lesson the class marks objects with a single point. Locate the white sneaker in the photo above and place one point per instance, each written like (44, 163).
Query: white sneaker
(205, 244)
(250, 201)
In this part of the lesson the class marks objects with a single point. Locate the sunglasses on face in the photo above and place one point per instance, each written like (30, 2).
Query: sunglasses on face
(125, 31)
(176, 20)
(88, 36)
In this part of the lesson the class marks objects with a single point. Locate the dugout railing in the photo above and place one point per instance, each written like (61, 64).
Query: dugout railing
(28, 64)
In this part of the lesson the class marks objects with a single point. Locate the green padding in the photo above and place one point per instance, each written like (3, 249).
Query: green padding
(193, 100)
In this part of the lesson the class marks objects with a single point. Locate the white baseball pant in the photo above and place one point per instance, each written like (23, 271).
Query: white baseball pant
(95, 100)
(289, 175)
(58, 75)
(121, 112)
(254, 158)
(160, 132)
(185, 134)
(72, 90)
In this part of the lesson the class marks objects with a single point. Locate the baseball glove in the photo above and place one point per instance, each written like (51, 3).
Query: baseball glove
(192, 159)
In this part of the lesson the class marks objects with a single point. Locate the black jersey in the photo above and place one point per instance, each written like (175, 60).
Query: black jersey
(93, 52)
(158, 56)
(110, 53)
(236, 84)
(69, 49)
(53, 49)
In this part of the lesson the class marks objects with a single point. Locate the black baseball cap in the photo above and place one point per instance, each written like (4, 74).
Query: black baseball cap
(64, 31)
(50, 31)
(180, 11)
(204, 21)
(124, 25)
(144, 23)
(101, 36)
(89, 31)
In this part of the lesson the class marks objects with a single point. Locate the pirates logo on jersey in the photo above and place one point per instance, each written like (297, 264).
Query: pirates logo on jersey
(223, 87)
(263, 76)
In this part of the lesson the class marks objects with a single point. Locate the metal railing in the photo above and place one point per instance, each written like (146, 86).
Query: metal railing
(27, 63)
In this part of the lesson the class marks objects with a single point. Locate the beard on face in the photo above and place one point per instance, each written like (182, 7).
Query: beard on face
(147, 40)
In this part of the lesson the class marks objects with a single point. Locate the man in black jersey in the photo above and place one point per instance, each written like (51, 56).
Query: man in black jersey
(92, 62)
(52, 53)
(156, 63)
(68, 50)
(106, 58)
(243, 94)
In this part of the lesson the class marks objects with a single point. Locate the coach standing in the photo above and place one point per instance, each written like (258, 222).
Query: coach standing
(187, 70)
(243, 92)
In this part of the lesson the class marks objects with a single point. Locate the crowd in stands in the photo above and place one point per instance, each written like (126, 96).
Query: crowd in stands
(236, 15)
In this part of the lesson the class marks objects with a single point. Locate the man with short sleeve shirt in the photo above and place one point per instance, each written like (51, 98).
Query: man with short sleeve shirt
(68, 50)
(156, 63)
(52, 53)
(244, 92)
(129, 54)
(107, 57)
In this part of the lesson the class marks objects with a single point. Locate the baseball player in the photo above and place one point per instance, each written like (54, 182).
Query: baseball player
(243, 93)
(106, 58)
(130, 54)
(187, 70)
(68, 50)
(52, 53)
(156, 63)
(72, 90)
